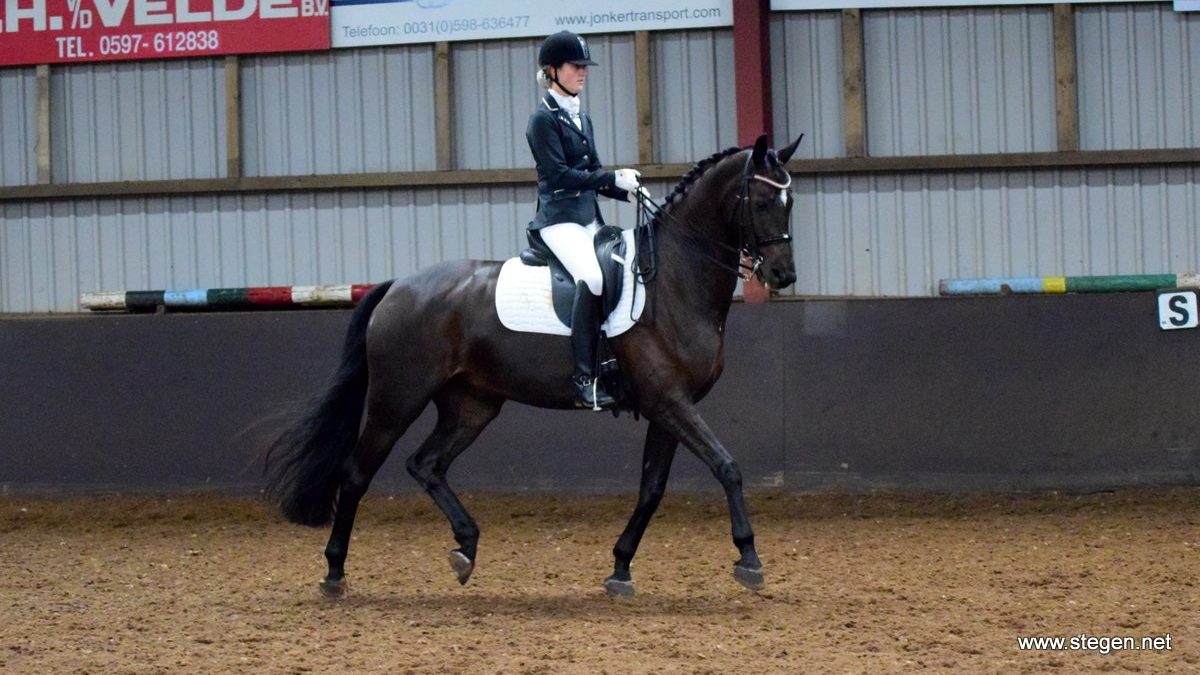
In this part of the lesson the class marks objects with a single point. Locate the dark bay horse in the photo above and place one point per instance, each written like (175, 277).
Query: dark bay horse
(435, 336)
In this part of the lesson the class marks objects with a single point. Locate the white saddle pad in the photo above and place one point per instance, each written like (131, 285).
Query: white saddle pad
(524, 302)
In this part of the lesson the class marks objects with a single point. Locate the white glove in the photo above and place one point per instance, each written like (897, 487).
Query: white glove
(627, 179)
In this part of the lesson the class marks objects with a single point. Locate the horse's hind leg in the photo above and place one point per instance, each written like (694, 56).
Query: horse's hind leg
(379, 434)
(462, 415)
(656, 467)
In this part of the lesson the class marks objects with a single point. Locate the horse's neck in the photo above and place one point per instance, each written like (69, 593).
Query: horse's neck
(694, 284)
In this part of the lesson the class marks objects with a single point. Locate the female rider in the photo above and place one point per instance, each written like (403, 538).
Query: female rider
(569, 176)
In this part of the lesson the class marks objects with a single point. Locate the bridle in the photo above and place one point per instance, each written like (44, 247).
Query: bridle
(752, 246)
(749, 248)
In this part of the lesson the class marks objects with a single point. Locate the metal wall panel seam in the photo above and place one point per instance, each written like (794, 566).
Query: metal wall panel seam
(923, 85)
(874, 270)
(1132, 68)
(976, 91)
(368, 136)
(848, 270)
(1193, 137)
(818, 118)
(980, 254)
(1059, 220)
(254, 163)
(1107, 80)
(896, 117)
(93, 127)
(689, 131)
(1164, 209)
(927, 233)
(1027, 81)
(1000, 66)
(96, 248)
(1139, 231)
(27, 254)
(296, 152)
(1110, 208)
(203, 214)
(1005, 218)
(1160, 35)
(1191, 197)
(165, 119)
(283, 157)
(948, 122)
(1033, 214)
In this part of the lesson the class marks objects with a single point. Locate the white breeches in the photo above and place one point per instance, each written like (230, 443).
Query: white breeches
(573, 244)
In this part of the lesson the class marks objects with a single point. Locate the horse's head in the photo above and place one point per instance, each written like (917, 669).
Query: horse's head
(763, 214)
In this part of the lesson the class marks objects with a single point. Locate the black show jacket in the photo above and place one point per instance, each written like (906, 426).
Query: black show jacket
(568, 169)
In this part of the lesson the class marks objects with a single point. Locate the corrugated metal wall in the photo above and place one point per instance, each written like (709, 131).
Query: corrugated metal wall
(955, 81)
(344, 111)
(806, 81)
(694, 107)
(144, 120)
(1139, 76)
(897, 235)
(18, 129)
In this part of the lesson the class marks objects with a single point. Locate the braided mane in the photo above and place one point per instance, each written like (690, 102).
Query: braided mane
(697, 171)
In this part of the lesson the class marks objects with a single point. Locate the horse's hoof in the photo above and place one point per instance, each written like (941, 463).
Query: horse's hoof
(331, 588)
(618, 588)
(750, 578)
(462, 566)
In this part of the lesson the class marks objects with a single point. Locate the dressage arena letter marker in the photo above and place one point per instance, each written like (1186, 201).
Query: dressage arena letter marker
(1177, 309)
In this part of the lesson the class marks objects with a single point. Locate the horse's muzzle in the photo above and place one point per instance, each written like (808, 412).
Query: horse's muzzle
(781, 278)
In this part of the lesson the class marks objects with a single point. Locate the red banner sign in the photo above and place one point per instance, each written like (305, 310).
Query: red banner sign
(66, 31)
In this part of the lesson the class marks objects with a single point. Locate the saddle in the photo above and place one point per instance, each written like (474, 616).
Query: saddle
(610, 253)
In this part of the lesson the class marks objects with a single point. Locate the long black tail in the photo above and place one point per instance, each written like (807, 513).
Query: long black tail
(304, 465)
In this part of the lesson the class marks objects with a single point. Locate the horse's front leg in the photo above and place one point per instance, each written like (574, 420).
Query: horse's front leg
(682, 421)
(656, 467)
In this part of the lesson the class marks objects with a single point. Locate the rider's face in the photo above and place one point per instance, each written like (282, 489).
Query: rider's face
(572, 76)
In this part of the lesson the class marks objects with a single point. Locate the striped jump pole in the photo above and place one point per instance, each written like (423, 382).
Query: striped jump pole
(263, 297)
(1100, 284)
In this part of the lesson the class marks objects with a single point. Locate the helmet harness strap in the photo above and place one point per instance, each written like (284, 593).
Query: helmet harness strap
(554, 79)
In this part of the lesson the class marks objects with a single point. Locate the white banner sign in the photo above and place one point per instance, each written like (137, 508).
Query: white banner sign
(801, 5)
(358, 23)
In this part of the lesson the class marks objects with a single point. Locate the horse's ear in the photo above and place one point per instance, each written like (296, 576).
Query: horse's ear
(760, 150)
(786, 153)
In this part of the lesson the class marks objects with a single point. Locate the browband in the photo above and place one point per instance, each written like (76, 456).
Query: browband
(768, 181)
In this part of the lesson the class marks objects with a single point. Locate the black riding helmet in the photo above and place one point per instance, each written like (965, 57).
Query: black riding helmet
(565, 47)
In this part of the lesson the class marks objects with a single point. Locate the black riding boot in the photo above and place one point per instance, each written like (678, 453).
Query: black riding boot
(585, 336)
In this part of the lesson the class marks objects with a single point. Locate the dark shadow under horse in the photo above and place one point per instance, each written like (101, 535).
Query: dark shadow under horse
(435, 336)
